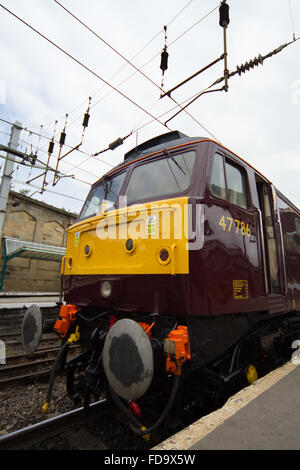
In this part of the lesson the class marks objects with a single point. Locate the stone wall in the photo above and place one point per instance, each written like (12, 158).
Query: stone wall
(35, 221)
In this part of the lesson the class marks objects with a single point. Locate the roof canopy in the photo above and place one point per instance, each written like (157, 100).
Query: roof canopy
(15, 247)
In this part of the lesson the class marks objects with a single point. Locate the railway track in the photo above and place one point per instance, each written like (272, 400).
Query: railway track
(102, 427)
(19, 367)
(22, 369)
(53, 427)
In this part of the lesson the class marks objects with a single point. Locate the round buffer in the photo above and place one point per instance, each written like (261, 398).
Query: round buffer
(128, 359)
(32, 328)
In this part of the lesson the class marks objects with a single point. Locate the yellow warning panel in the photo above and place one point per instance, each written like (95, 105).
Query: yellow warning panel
(240, 289)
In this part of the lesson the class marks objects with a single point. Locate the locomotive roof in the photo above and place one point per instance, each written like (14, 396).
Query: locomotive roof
(164, 141)
(160, 142)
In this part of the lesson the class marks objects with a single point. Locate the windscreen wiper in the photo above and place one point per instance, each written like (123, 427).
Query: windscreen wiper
(167, 153)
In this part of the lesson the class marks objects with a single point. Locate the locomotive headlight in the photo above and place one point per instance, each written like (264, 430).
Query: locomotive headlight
(163, 255)
(130, 245)
(88, 248)
(105, 289)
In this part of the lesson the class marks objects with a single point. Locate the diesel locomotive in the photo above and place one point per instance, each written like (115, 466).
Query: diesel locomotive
(181, 280)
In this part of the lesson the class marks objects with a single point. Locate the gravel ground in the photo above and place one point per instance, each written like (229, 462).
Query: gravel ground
(20, 405)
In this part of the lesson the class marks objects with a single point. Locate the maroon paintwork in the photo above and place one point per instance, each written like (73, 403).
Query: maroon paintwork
(226, 258)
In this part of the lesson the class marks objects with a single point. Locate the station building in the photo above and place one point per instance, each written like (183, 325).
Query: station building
(33, 221)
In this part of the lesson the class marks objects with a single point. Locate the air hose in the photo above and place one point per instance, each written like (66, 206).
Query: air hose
(135, 424)
(63, 350)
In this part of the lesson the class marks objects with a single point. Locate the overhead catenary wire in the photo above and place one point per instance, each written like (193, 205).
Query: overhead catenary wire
(150, 60)
(194, 99)
(73, 167)
(168, 93)
(47, 190)
(82, 64)
(124, 65)
(129, 62)
(71, 147)
(158, 117)
(193, 25)
(172, 20)
(120, 140)
(105, 42)
(70, 164)
(27, 158)
(85, 123)
(137, 129)
(153, 117)
(78, 167)
(14, 180)
(76, 60)
(292, 20)
(56, 141)
(239, 69)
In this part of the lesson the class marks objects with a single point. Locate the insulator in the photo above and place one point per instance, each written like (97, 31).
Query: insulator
(249, 65)
(62, 138)
(116, 143)
(51, 146)
(86, 120)
(224, 15)
(164, 60)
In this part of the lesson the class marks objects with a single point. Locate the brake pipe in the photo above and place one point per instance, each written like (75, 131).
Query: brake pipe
(134, 423)
(63, 349)
(62, 353)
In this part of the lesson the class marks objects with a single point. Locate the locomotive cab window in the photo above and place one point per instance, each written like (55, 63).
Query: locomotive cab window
(102, 196)
(217, 182)
(228, 181)
(169, 175)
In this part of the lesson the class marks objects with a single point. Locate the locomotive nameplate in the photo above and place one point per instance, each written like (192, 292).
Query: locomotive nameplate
(240, 289)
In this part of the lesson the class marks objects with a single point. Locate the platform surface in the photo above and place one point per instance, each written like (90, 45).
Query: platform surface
(15, 300)
(263, 416)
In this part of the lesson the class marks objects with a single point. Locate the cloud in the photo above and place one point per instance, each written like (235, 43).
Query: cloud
(258, 117)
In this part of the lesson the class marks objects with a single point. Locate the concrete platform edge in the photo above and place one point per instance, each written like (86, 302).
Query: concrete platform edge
(186, 438)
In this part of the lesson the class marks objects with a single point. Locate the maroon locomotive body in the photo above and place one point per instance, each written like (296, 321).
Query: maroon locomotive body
(211, 307)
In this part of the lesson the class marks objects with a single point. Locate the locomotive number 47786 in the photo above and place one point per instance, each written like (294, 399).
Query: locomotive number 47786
(241, 227)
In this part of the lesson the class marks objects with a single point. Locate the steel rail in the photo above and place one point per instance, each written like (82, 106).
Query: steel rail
(26, 437)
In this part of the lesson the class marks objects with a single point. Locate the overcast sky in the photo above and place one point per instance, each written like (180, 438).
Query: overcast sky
(258, 118)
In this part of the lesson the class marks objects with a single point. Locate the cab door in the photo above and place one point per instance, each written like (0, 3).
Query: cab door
(230, 249)
(273, 264)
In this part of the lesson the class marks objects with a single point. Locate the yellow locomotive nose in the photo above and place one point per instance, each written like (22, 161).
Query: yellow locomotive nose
(144, 239)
